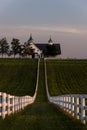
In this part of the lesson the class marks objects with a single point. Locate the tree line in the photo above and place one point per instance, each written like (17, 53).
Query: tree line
(14, 48)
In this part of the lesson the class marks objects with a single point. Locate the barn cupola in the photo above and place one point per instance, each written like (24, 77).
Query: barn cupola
(31, 40)
(50, 41)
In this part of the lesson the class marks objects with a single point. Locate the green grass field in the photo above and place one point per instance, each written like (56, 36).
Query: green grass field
(18, 76)
(67, 76)
(41, 115)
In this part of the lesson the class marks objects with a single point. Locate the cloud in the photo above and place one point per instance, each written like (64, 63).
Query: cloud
(51, 29)
(23, 29)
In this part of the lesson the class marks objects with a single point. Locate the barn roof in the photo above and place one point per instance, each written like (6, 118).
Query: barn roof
(42, 46)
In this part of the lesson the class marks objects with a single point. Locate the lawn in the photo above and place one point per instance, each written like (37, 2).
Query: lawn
(67, 76)
(41, 115)
(18, 76)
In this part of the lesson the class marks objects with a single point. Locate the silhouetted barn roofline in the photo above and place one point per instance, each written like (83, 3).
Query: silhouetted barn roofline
(42, 47)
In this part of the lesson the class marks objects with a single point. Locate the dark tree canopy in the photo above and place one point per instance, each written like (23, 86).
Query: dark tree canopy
(4, 47)
(15, 46)
(28, 50)
(51, 50)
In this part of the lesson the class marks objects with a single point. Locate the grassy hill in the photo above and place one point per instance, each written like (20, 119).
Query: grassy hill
(67, 76)
(18, 76)
(41, 115)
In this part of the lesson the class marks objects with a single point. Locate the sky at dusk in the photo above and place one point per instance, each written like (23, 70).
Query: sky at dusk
(64, 20)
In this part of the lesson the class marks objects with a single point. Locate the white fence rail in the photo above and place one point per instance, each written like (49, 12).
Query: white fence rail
(11, 104)
(74, 104)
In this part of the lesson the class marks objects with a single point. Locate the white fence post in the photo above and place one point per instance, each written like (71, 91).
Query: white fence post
(13, 105)
(83, 110)
(77, 107)
(64, 99)
(8, 103)
(69, 104)
(72, 105)
(3, 105)
(0, 103)
(19, 103)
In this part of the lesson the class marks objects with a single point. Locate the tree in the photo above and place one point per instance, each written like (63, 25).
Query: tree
(4, 47)
(28, 50)
(51, 50)
(15, 46)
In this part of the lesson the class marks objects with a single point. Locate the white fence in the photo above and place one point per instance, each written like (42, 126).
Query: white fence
(11, 104)
(74, 104)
